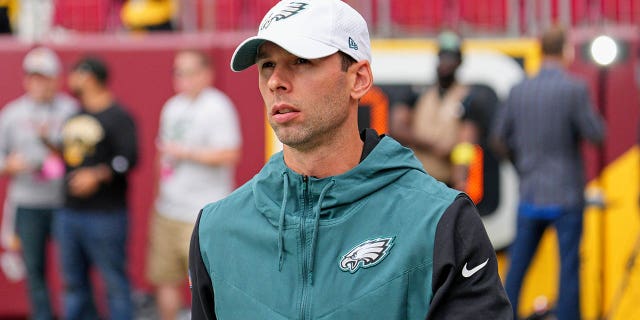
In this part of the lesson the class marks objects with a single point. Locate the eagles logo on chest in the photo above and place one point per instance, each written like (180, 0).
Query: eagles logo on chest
(366, 254)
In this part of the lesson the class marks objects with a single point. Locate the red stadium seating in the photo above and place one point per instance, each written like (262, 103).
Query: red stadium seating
(406, 16)
(88, 16)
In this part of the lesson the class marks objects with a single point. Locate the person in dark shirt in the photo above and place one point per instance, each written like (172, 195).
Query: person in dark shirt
(99, 148)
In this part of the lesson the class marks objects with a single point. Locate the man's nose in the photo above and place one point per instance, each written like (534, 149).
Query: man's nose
(279, 79)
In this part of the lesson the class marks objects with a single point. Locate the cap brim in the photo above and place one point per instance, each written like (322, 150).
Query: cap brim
(45, 73)
(303, 47)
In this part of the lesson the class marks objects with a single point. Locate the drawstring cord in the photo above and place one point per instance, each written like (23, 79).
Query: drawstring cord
(314, 239)
(281, 220)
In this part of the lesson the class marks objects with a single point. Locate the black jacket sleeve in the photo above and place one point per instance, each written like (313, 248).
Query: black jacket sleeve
(465, 279)
(202, 302)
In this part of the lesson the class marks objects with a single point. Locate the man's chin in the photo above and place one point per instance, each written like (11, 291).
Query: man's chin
(300, 143)
(291, 139)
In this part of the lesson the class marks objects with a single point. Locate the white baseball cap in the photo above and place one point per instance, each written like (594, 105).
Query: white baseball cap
(42, 60)
(308, 29)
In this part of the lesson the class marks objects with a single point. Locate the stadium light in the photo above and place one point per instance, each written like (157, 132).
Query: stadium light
(604, 50)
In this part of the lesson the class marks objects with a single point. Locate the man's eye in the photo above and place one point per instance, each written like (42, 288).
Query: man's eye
(266, 65)
(302, 61)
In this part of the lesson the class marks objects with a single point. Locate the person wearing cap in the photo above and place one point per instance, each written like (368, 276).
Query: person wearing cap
(438, 119)
(99, 148)
(448, 129)
(341, 224)
(35, 187)
(198, 143)
(541, 128)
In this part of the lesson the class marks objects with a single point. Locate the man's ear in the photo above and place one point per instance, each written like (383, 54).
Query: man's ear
(363, 79)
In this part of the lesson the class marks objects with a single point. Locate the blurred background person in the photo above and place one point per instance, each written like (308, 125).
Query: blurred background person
(540, 129)
(437, 121)
(35, 173)
(99, 147)
(198, 145)
(448, 128)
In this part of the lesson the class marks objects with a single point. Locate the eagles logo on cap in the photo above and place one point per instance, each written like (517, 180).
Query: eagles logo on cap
(287, 12)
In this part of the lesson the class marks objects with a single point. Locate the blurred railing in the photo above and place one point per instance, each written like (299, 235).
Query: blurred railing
(391, 18)
(387, 18)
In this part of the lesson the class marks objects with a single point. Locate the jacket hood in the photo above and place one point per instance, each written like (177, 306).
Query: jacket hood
(387, 162)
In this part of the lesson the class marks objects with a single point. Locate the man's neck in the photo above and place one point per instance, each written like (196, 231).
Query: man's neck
(43, 101)
(193, 96)
(553, 60)
(97, 101)
(445, 84)
(332, 158)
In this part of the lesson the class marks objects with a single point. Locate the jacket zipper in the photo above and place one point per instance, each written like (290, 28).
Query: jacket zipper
(303, 238)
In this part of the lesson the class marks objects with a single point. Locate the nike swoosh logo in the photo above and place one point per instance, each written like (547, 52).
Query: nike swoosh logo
(468, 273)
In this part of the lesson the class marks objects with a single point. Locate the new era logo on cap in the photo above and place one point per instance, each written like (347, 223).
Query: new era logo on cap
(308, 29)
(352, 44)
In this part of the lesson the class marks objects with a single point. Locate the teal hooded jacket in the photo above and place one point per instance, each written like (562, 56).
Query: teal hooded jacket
(382, 241)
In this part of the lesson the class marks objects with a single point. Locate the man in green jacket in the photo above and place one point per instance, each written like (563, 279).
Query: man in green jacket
(341, 224)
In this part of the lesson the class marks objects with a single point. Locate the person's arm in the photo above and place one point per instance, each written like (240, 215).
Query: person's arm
(500, 133)
(465, 277)
(51, 137)
(216, 157)
(224, 140)
(463, 154)
(4, 141)
(589, 124)
(125, 146)
(51, 146)
(202, 301)
(85, 181)
(202, 155)
(467, 155)
(12, 162)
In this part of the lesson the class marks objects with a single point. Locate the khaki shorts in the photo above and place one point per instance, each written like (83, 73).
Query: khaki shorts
(168, 258)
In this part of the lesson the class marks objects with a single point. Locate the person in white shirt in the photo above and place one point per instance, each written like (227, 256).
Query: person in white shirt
(198, 143)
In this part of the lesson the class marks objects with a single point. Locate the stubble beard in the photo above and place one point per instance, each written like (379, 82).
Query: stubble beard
(324, 118)
(317, 130)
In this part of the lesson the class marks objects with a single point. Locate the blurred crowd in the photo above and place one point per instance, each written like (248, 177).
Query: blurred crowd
(76, 152)
(36, 20)
(68, 159)
(33, 20)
